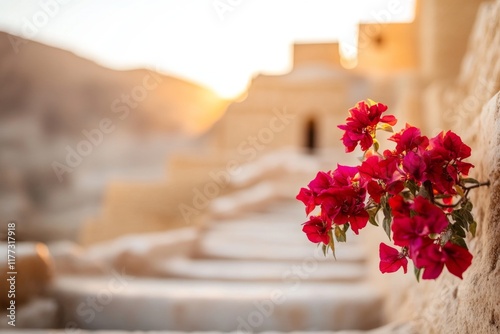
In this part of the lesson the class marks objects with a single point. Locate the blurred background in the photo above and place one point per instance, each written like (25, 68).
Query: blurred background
(150, 153)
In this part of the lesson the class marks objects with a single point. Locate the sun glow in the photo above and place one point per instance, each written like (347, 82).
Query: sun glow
(220, 44)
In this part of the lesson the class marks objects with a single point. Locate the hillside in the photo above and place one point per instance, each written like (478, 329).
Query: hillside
(50, 99)
(37, 78)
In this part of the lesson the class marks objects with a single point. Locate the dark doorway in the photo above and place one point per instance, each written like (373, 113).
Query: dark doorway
(311, 140)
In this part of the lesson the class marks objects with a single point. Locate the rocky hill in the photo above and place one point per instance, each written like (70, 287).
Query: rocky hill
(121, 124)
(37, 78)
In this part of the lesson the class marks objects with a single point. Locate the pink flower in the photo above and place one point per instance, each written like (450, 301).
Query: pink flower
(391, 259)
(361, 125)
(316, 230)
(433, 258)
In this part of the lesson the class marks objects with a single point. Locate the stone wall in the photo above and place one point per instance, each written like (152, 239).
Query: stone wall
(471, 305)
(387, 47)
(326, 53)
(131, 208)
(443, 25)
(456, 103)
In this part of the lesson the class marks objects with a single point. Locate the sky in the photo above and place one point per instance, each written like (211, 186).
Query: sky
(220, 44)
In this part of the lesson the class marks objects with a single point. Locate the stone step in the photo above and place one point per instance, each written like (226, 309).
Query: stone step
(231, 270)
(272, 218)
(391, 328)
(39, 313)
(125, 303)
(284, 207)
(268, 231)
(220, 247)
(285, 239)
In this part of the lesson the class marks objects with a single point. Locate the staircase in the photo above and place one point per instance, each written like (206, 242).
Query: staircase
(249, 270)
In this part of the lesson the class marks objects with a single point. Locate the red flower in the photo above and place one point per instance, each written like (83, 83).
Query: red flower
(414, 165)
(321, 182)
(376, 190)
(433, 258)
(384, 170)
(414, 231)
(309, 196)
(317, 230)
(391, 259)
(444, 161)
(409, 139)
(361, 125)
(402, 183)
(399, 207)
(434, 217)
(345, 205)
(344, 175)
(450, 146)
(441, 174)
(458, 259)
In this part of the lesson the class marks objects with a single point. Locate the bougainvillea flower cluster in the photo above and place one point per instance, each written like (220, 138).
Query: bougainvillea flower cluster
(419, 190)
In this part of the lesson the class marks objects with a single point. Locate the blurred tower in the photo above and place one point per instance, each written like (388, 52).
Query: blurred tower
(300, 109)
(444, 29)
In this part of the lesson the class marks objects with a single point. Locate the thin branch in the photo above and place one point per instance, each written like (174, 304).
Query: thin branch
(467, 190)
(477, 185)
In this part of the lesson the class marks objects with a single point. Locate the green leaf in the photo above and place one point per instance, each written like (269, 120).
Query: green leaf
(468, 206)
(458, 217)
(467, 216)
(459, 241)
(332, 244)
(412, 187)
(460, 190)
(385, 127)
(417, 273)
(376, 145)
(340, 234)
(424, 192)
(325, 249)
(458, 230)
(472, 228)
(469, 180)
(346, 227)
(372, 215)
(407, 195)
(386, 224)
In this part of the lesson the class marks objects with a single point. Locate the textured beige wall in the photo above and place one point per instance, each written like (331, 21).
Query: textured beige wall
(453, 104)
(308, 93)
(471, 305)
(444, 28)
(387, 47)
(327, 53)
